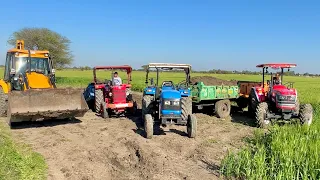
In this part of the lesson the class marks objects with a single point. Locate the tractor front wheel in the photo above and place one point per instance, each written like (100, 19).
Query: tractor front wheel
(223, 108)
(3, 103)
(104, 111)
(146, 105)
(306, 114)
(192, 126)
(261, 115)
(148, 126)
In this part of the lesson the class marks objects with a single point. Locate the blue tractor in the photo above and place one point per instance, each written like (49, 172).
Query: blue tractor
(167, 103)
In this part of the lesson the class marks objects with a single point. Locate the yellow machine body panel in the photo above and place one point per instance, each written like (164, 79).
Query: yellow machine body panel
(38, 81)
(5, 86)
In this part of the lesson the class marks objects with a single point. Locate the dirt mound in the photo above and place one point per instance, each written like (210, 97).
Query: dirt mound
(211, 81)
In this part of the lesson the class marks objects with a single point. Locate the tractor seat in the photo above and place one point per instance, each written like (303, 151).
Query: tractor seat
(167, 83)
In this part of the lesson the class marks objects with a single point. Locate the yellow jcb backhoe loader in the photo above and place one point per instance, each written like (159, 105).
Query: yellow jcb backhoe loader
(28, 90)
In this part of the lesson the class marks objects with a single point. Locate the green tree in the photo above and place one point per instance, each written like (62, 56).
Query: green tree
(45, 39)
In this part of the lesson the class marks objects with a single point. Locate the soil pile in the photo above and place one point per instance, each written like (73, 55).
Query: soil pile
(211, 81)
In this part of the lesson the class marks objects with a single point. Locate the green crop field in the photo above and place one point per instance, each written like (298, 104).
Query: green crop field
(285, 152)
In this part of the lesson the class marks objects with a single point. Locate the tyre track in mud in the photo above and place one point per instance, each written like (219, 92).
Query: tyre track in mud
(94, 148)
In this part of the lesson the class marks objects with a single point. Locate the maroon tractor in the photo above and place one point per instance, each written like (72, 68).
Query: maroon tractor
(273, 99)
(111, 97)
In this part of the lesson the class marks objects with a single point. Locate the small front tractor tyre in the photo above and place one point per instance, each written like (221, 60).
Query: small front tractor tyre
(223, 108)
(98, 96)
(306, 114)
(148, 126)
(261, 114)
(104, 111)
(192, 126)
(3, 103)
(186, 107)
(297, 108)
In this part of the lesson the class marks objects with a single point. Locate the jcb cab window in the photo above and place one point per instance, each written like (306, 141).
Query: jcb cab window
(39, 65)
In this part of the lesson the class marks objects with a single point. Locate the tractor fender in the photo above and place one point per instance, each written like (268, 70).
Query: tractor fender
(258, 94)
(5, 87)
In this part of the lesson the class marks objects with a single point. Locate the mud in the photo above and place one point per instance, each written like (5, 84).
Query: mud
(93, 148)
(211, 81)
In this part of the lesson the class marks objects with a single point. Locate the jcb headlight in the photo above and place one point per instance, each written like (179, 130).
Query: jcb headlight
(167, 102)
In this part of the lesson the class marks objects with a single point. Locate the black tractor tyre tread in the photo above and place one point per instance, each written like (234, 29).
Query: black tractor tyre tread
(146, 104)
(306, 114)
(219, 108)
(186, 107)
(3, 103)
(148, 126)
(192, 126)
(260, 113)
(98, 96)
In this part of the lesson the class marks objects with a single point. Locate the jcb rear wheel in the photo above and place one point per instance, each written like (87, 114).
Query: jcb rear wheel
(3, 103)
(98, 96)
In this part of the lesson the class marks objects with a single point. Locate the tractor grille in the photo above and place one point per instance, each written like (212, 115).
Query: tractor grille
(286, 99)
(119, 96)
(171, 105)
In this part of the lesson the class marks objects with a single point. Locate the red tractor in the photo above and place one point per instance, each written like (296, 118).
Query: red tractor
(274, 99)
(107, 98)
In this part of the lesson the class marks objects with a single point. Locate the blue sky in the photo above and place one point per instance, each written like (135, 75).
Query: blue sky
(233, 35)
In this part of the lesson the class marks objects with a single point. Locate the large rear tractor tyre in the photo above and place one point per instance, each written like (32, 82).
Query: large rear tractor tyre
(98, 95)
(146, 105)
(306, 114)
(104, 111)
(186, 107)
(148, 126)
(261, 115)
(223, 108)
(192, 126)
(3, 103)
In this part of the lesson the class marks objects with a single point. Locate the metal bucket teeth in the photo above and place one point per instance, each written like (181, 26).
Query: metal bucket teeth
(35, 104)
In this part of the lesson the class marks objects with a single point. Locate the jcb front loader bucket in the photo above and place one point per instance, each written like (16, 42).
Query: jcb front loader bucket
(41, 104)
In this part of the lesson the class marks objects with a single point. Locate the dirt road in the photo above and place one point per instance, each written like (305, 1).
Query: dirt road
(94, 148)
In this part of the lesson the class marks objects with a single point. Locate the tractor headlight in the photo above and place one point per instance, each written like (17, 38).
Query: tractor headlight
(110, 93)
(167, 102)
(186, 91)
(176, 103)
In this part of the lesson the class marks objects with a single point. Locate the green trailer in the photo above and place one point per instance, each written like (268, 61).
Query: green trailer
(215, 98)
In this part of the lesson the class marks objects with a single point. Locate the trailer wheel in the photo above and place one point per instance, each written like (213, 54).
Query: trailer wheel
(306, 114)
(223, 108)
(261, 114)
(3, 103)
(98, 96)
(104, 111)
(146, 105)
(192, 126)
(148, 126)
(186, 107)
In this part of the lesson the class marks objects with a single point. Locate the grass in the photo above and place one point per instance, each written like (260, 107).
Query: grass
(18, 161)
(286, 152)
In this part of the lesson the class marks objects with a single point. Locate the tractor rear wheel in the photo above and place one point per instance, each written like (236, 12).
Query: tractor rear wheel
(148, 126)
(223, 108)
(104, 111)
(192, 126)
(306, 114)
(3, 103)
(98, 96)
(261, 115)
(186, 107)
(146, 105)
